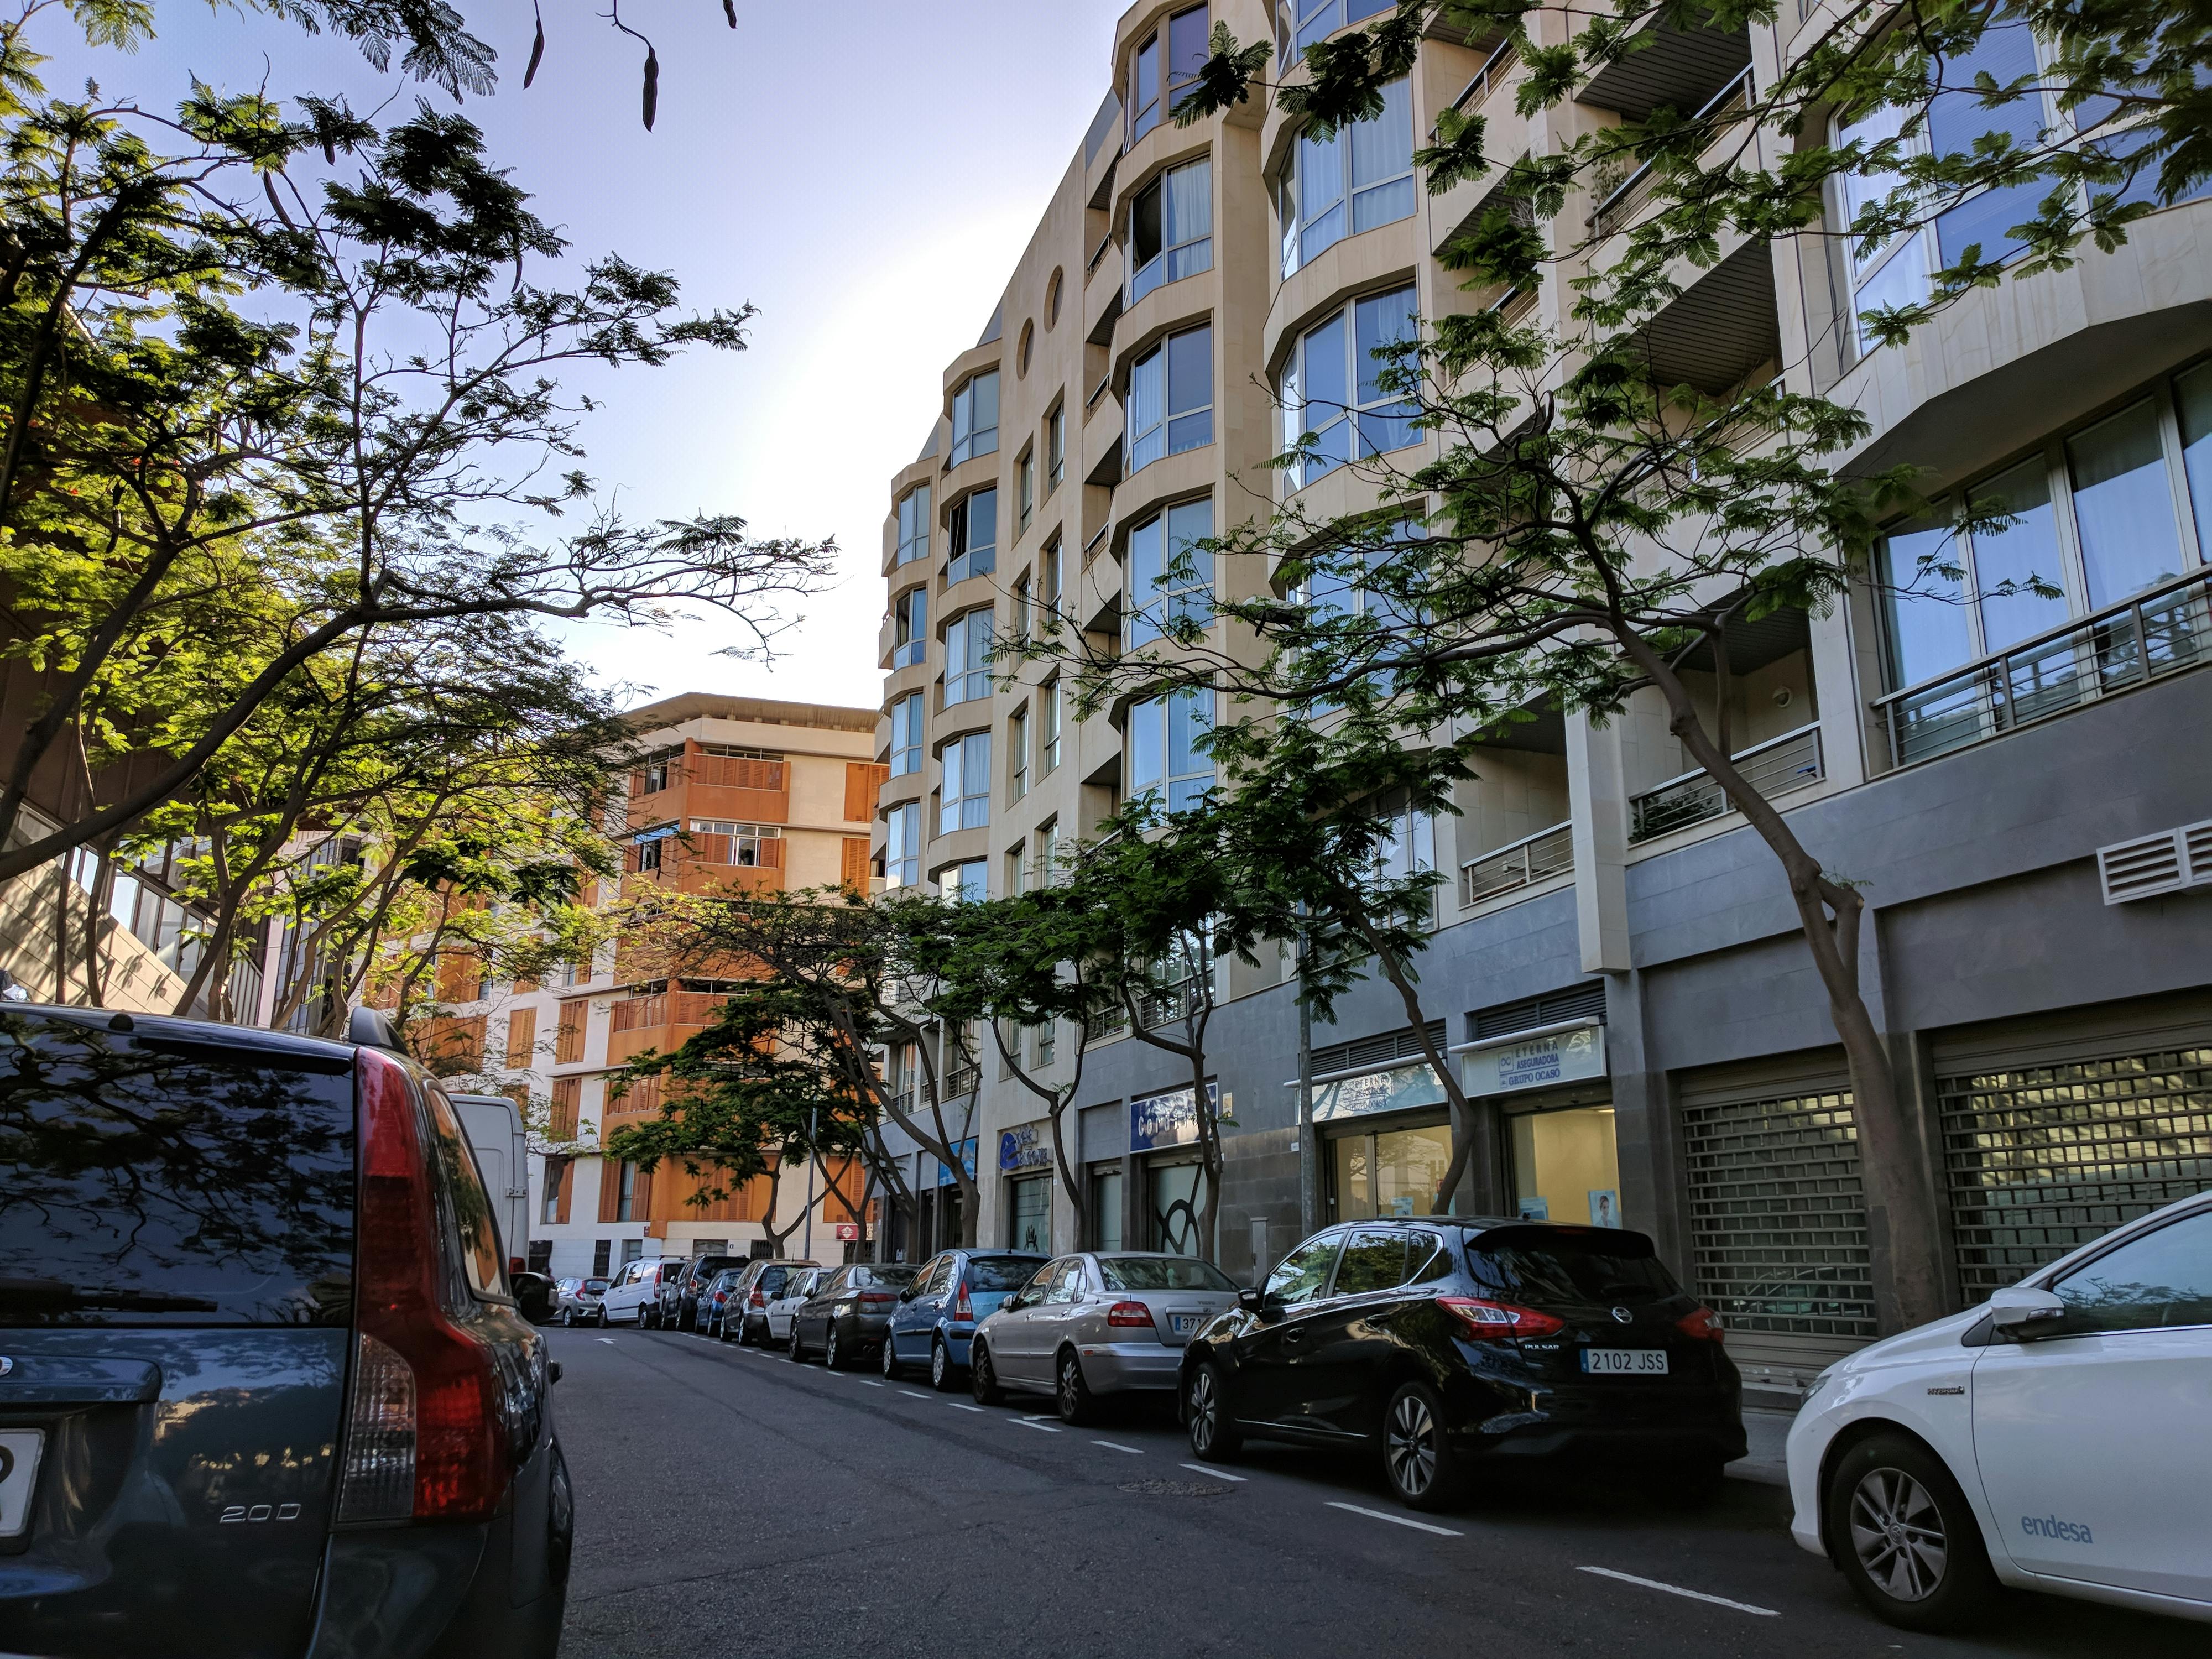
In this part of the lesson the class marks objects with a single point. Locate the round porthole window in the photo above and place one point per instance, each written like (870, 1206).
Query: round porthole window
(1022, 355)
(1051, 300)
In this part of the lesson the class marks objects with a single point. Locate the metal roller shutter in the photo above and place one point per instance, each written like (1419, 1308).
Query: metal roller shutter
(1777, 1223)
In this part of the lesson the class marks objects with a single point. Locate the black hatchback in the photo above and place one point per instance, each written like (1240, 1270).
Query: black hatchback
(264, 1389)
(1444, 1342)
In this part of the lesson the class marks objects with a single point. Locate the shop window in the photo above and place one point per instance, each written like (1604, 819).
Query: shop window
(1566, 1167)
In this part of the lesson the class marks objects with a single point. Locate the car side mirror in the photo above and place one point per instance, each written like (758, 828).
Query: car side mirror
(533, 1296)
(1252, 1300)
(2016, 1310)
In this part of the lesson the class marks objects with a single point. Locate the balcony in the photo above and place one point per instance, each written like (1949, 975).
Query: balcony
(1618, 210)
(661, 1023)
(960, 1080)
(2163, 632)
(1523, 863)
(1777, 767)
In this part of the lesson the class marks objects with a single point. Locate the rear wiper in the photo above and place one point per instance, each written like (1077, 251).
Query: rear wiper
(59, 1295)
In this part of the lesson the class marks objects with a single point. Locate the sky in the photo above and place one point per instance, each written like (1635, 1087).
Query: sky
(865, 173)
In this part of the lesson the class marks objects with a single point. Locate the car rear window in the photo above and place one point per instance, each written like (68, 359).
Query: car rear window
(595, 1283)
(1161, 1273)
(1001, 1272)
(150, 1179)
(891, 1276)
(1547, 1265)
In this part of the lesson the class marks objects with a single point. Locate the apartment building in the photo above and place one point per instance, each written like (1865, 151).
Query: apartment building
(726, 793)
(2021, 783)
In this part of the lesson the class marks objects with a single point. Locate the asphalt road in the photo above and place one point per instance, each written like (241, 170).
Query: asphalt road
(731, 1502)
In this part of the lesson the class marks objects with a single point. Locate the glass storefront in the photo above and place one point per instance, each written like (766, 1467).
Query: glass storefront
(1566, 1166)
(1388, 1172)
(1028, 1209)
(1106, 1210)
(1176, 1195)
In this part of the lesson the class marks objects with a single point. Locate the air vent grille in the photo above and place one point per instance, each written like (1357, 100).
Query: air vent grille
(2151, 866)
(1583, 1001)
(1375, 1050)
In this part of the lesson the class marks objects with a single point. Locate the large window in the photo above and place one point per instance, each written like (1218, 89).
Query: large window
(1162, 67)
(974, 536)
(1171, 397)
(1055, 448)
(909, 628)
(1048, 727)
(968, 657)
(1299, 23)
(976, 418)
(1161, 591)
(964, 793)
(1017, 756)
(1024, 490)
(1951, 595)
(739, 843)
(1165, 757)
(906, 735)
(965, 883)
(902, 845)
(1332, 386)
(914, 525)
(1358, 178)
(1172, 228)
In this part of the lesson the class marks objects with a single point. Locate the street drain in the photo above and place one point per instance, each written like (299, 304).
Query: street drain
(1173, 1488)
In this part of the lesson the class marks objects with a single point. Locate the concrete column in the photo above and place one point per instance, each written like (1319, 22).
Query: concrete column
(1835, 684)
(1597, 798)
(1643, 1127)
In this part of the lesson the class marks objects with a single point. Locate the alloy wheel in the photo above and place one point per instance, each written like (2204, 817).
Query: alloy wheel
(1204, 1411)
(1897, 1533)
(1411, 1445)
(940, 1366)
(830, 1355)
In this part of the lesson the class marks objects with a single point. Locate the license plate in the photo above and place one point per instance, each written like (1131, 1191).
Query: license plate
(1183, 1324)
(19, 1473)
(1625, 1362)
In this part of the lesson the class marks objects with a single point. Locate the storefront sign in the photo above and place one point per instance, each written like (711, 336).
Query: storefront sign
(1539, 1063)
(966, 1149)
(1378, 1091)
(1167, 1119)
(848, 1232)
(1028, 1147)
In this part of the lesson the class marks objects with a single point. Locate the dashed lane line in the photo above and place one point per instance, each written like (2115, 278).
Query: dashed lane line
(872, 1385)
(1397, 1520)
(911, 1394)
(959, 1405)
(1115, 1445)
(1031, 1422)
(1218, 1474)
(1675, 1590)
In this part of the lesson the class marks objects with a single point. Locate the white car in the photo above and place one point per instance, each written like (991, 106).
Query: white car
(633, 1297)
(2059, 1437)
(797, 1289)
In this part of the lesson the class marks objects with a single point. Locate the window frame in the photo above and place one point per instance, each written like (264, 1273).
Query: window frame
(970, 445)
(1024, 489)
(1298, 244)
(906, 756)
(1170, 599)
(1163, 268)
(903, 841)
(1145, 114)
(914, 526)
(1162, 354)
(970, 809)
(1018, 754)
(1056, 446)
(1174, 788)
(964, 558)
(971, 670)
(1049, 721)
(911, 627)
(1354, 415)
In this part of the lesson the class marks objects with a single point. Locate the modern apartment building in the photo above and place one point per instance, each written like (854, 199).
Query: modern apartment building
(1616, 964)
(726, 793)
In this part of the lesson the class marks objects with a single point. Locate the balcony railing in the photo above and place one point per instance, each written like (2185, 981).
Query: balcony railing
(1629, 197)
(2116, 649)
(1488, 79)
(1523, 863)
(962, 1080)
(1773, 767)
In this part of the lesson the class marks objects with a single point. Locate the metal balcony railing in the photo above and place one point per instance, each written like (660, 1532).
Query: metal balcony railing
(1170, 1006)
(962, 1080)
(1523, 863)
(1773, 767)
(2116, 649)
(1629, 196)
(1488, 79)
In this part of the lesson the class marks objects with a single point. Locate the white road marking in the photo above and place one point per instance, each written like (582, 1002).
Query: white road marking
(1031, 1422)
(959, 1405)
(609, 1341)
(872, 1385)
(1676, 1590)
(1114, 1445)
(1398, 1520)
(911, 1394)
(1218, 1474)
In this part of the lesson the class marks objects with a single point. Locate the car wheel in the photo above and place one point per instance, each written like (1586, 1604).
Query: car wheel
(892, 1370)
(983, 1379)
(601, 1321)
(833, 1354)
(1078, 1405)
(1904, 1536)
(940, 1366)
(798, 1349)
(1418, 1460)
(568, 1319)
(1213, 1437)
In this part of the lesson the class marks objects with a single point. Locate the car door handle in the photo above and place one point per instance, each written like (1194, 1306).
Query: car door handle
(1293, 1336)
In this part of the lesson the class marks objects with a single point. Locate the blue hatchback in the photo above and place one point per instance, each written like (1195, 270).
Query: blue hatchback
(951, 1292)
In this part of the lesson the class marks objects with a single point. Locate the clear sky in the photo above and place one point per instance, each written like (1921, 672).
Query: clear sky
(865, 173)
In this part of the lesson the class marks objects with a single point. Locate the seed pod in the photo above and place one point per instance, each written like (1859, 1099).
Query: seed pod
(652, 85)
(730, 11)
(536, 52)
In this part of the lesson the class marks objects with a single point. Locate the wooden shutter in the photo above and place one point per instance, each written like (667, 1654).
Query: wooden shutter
(567, 1094)
(610, 1187)
(561, 1170)
(854, 871)
(569, 1041)
(461, 977)
(771, 852)
(521, 1038)
(862, 780)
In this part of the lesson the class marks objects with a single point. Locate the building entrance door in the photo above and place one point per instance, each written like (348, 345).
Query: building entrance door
(1566, 1166)
(1030, 1211)
(1176, 1192)
(1388, 1172)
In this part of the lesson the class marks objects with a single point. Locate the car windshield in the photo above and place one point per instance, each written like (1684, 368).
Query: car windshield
(1001, 1272)
(889, 1276)
(1547, 1265)
(1161, 1273)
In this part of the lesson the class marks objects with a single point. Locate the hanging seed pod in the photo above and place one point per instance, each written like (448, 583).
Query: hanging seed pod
(730, 11)
(330, 149)
(536, 51)
(652, 85)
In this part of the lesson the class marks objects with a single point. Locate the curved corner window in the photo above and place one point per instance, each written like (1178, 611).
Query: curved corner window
(1171, 397)
(909, 628)
(1317, 19)
(968, 657)
(1157, 81)
(1332, 386)
(902, 845)
(1169, 577)
(906, 735)
(1358, 178)
(1172, 228)
(914, 525)
(964, 796)
(974, 536)
(1165, 748)
(976, 418)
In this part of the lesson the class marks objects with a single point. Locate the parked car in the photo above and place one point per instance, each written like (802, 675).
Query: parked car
(1441, 1342)
(303, 1256)
(2053, 1438)
(1088, 1325)
(714, 1299)
(679, 1299)
(936, 1316)
(849, 1311)
(582, 1301)
(634, 1298)
(757, 1288)
(797, 1288)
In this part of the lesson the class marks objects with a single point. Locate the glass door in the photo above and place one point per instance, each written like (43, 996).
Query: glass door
(1177, 1196)
(1106, 1210)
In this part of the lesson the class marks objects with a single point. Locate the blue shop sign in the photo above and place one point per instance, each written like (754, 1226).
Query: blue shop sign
(1167, 1120)
(1028, 1147)
(1393, 1091)
(966, 1149)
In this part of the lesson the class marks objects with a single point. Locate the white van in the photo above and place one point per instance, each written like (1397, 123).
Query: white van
(634, 1296)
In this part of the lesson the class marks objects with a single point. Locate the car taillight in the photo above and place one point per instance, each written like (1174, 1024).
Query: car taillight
(424, 1436)
(1702, 1323)
(756, 1299)
(1130, 1314)
(961, 1307)
(876, 1298)
(1493, 1321)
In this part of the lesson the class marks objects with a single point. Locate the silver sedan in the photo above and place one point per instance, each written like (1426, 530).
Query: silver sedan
(1088, 1325)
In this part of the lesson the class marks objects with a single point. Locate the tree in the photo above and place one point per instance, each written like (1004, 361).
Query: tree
(240, 379)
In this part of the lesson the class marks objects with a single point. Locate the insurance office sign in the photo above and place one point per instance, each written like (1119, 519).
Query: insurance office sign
(1536, 1062)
